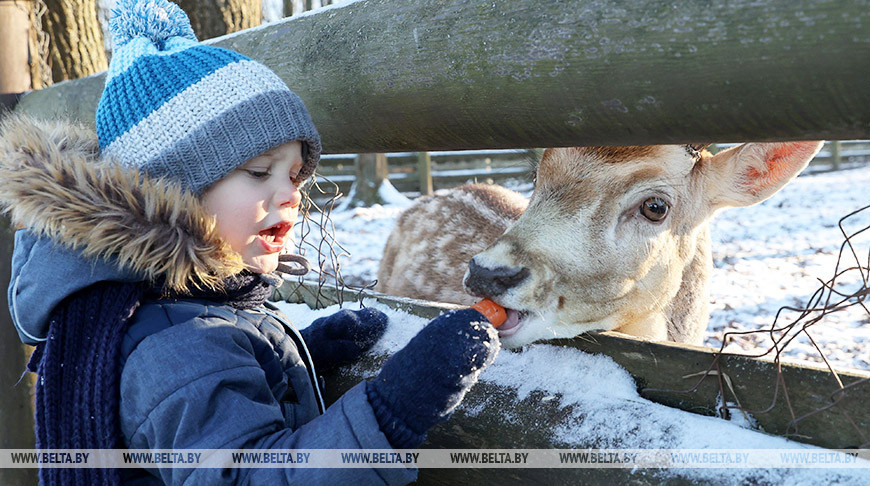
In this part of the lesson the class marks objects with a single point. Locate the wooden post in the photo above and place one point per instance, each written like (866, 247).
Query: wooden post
(371, 172)
(16, 399)
(293, 7)
(16, 410)
(14, 35)
(836, 154)
(424, 172)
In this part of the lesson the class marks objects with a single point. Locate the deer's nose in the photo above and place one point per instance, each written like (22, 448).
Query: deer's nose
(490, 282)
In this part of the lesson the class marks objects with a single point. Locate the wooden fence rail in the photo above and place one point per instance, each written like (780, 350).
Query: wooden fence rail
(424, 75)
(453, 168)
(423, 172)
(835, 153)
(660, 371)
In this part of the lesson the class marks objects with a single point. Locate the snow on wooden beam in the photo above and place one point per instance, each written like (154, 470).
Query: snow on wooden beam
(417, 75)
(673, 374)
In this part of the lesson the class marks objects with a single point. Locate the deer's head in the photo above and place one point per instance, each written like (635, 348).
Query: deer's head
(610, 233)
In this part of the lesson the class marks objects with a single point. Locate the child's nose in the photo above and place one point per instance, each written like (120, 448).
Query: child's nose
(287, 195)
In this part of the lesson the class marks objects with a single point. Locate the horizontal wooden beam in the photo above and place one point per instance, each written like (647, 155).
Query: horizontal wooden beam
(414, 75)
(677, 375)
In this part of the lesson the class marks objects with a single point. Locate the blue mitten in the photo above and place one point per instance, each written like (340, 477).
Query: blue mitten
(342, 337)
(420, 385)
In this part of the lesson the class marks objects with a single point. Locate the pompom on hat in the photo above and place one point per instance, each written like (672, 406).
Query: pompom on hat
(176, 108)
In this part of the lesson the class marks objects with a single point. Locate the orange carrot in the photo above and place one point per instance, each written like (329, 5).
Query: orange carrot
(493, 312)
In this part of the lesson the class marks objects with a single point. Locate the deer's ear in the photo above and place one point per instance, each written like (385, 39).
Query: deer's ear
(752, 172)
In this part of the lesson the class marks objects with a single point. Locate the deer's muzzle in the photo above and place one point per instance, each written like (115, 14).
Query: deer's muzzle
(491, 282)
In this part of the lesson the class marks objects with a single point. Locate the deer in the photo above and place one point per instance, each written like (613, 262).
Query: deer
(611, 239)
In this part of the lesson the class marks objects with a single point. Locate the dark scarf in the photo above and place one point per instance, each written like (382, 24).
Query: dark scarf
(243, 291)
(78, 390)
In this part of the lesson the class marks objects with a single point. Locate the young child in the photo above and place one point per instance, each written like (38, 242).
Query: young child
(146, 260)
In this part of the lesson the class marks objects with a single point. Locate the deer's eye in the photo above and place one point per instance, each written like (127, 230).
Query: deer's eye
(654, 209)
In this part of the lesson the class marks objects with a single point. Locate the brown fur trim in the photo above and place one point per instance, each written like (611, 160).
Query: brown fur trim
(53, 182)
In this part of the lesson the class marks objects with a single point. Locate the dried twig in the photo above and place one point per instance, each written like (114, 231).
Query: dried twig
(826, 300)
(317, 242)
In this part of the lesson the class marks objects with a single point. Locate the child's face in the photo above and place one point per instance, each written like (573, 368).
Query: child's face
(256, 205)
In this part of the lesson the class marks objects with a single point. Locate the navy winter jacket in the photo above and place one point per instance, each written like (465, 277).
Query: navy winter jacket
(256, 373)
(195, 375)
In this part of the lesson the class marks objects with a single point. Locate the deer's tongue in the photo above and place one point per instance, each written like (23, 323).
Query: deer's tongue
(511, 325)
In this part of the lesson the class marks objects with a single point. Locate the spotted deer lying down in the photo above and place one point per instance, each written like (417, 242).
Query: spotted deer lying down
(613, 238)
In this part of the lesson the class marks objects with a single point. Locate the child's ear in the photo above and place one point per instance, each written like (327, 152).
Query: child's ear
(752, 172)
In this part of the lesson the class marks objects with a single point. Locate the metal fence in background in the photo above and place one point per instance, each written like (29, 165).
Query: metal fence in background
(448, 169)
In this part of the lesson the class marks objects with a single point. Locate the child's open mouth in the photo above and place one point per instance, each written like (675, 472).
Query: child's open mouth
(272, 238)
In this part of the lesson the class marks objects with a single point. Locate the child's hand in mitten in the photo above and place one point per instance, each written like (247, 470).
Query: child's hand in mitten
(421, 384)
(344, 336)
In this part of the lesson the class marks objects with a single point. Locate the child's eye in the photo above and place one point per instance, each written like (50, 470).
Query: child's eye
(258, 174)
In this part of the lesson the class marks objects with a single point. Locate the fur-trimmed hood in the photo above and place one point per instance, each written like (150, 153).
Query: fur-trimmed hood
(88, 220)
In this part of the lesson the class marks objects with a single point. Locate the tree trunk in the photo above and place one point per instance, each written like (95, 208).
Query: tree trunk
(76, 49)
(16, 410)
(371, 173)
(39, 46)
(16, 414)
(214, 18)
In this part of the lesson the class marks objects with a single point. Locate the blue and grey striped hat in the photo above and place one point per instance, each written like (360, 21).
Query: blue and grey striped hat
(176, 108)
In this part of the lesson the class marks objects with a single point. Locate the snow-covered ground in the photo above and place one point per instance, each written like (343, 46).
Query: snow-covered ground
(775, 254)
(765, 256)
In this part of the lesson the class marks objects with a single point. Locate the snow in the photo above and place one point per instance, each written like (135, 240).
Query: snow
(606, 410)
(765, 257)
(391, 196)
(773, 255)
(363, 232)
(273, 12)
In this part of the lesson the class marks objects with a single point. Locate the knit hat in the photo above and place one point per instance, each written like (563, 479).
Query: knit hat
(176, 108)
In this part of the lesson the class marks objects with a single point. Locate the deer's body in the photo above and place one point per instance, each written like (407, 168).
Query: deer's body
(424, 258)
(613, 238)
